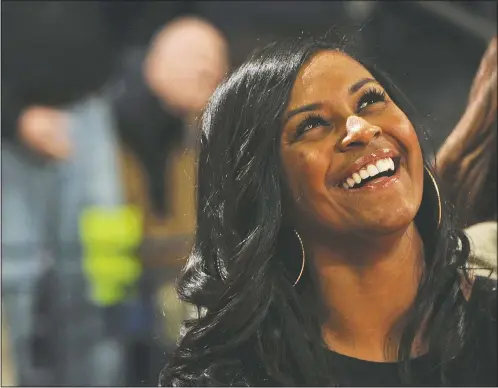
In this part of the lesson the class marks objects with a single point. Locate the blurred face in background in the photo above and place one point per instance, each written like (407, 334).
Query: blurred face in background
(186, 61)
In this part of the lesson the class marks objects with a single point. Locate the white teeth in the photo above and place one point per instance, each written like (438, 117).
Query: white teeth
(372, 170)
(383, 165)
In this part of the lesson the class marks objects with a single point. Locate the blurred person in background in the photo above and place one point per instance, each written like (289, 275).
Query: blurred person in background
(58, 158)
(466, 163)
(157, 94)
(160, 90)
(62, 95)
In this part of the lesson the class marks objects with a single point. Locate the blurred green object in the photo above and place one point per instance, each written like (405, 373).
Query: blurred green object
(172, 312)
(110, 238)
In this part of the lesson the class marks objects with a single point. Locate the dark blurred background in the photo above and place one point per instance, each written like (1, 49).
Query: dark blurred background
(99, 115)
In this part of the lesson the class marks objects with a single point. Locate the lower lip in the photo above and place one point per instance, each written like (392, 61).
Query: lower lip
(378, 183)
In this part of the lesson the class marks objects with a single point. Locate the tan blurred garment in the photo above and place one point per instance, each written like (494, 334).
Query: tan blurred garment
(483, 240)
(8, 377)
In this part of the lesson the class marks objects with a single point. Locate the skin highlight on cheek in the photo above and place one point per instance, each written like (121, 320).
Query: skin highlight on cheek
(310, 158)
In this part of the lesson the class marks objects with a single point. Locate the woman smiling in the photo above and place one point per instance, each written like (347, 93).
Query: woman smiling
(324, 251)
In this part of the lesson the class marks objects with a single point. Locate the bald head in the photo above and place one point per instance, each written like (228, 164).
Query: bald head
(186, 61)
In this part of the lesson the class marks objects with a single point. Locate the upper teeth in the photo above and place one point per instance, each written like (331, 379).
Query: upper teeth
(370, 170)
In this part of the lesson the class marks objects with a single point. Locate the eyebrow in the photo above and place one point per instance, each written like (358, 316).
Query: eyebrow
(358, 85)
(301, 109)
(317, 105)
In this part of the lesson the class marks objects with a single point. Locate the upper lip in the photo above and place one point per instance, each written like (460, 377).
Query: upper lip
(365, 160)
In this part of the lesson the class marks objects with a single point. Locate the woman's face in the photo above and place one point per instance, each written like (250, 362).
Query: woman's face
(351, 157)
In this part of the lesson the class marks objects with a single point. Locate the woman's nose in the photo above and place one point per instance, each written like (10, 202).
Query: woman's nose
(359, 132)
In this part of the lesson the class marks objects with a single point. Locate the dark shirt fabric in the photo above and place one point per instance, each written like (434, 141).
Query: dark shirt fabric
(475, 366)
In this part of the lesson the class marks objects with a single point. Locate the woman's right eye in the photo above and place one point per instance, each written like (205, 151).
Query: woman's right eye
(309, 123)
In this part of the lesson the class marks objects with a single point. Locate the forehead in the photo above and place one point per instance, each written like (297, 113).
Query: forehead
(326, 72)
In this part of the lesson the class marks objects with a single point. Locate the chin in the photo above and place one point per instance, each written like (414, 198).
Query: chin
(390, 222)
(392, 227)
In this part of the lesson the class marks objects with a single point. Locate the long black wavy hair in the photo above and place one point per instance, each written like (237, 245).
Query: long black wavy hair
(253, 327)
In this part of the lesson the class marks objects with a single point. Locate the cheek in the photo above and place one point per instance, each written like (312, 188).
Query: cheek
(412, 142)
(311, 161)
(306, 171)
(409, 139)
(403, 131)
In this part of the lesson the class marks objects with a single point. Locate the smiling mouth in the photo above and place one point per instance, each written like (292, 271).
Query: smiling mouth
(372, 173)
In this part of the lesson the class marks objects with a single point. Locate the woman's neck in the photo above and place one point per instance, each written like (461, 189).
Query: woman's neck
(366, 288)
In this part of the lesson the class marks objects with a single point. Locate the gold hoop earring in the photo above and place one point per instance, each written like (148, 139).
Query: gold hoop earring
(303, 258)
(439, 203)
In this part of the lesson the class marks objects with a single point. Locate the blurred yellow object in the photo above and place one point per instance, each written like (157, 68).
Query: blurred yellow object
(173, 312)
(180, 221)
(110, 238)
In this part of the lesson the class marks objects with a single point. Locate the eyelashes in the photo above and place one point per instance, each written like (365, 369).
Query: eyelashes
(310, 121)
(313, 120)
(369, 97)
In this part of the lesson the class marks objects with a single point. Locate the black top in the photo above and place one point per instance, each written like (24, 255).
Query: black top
(475, 366)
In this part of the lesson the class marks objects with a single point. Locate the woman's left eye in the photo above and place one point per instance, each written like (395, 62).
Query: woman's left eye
(370, 97)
